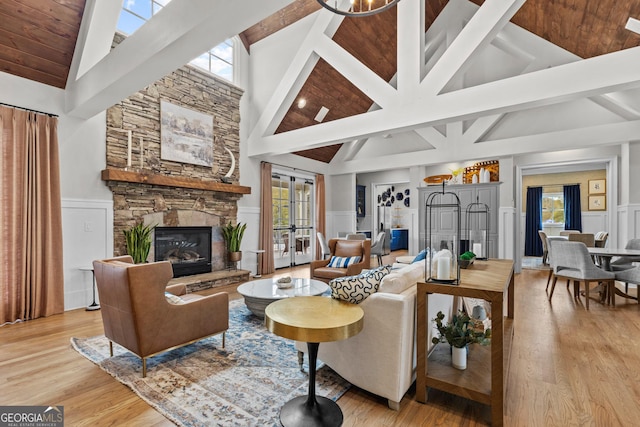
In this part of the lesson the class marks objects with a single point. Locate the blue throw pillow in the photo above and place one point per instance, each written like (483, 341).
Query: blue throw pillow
(343, 262)
(421, 255)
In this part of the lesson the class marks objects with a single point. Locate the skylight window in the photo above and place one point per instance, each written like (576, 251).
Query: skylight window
(135, 13)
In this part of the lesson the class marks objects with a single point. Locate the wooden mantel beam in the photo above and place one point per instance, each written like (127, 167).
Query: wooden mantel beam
(171, 181)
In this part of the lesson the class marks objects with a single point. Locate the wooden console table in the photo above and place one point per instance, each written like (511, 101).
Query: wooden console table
(492, 281)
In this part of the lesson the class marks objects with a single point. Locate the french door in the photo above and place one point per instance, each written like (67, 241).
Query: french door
(293, 223)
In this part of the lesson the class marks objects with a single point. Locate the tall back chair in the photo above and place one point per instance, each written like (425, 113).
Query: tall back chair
(573, 262)
(601, 239)
(587, 238)
(324, 246)
(356, 236)
(545, 249)
(377, 248)
(137, 315)
(626, 262)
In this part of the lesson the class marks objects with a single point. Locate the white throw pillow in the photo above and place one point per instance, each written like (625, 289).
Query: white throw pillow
(356, 289)
(343, 262)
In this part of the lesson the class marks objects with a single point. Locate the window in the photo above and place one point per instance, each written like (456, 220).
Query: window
(553, 208)
(135, 13)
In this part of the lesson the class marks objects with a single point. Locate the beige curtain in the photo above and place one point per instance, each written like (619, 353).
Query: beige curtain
(321, 212)
(31, 279)
(266, 219)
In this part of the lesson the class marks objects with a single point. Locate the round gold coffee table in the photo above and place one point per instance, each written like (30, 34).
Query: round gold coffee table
(313, 320)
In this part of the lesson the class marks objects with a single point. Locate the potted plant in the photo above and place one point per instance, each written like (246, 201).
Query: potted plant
(138, 241)
(233, 238)
(459, 333)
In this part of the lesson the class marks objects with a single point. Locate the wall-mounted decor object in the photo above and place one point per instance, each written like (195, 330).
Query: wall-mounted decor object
(492, 166)
(597, 186)
(186, 136)
(361, 210)
(598, 202)
(437, 179)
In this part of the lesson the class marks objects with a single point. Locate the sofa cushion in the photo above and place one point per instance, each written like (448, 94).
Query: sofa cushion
(421, 255)
(173, 299)
(343, 262)
(400, 280)
(356, 289)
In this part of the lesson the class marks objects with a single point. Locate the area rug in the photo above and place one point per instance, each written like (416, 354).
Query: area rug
(244, 384)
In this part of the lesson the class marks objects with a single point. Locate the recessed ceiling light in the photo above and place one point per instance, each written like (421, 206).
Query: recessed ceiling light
(302, 102)
(633, 25)
(321, 114)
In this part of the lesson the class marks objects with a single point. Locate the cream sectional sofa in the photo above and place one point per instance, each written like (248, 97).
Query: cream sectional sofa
(382, 358)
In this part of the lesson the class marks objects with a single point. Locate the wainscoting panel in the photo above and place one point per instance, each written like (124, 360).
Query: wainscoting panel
(87, 232)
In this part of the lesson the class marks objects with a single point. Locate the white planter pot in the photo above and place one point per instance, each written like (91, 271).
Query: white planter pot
(459, 358)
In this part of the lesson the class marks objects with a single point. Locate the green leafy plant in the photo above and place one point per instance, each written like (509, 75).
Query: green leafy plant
(459, 332)
(138, 241)
(233, 236)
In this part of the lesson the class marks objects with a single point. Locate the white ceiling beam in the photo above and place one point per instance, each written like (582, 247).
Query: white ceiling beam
(355, 71)
(484, 25)
(98, 25)
(181, 31)
(325, 24)
(432, 136)
(545, 142)
(411, 45)
(594, 76)
(480, 127)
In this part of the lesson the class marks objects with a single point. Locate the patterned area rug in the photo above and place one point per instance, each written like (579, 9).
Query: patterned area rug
(244, 384)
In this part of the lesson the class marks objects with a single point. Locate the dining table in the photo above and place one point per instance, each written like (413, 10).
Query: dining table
(606, 254)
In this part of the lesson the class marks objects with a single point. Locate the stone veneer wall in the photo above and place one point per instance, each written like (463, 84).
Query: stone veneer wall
(191, 88)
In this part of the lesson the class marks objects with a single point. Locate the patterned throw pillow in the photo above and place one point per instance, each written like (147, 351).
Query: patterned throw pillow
(343, 262)
(173, 299)
(356, 289)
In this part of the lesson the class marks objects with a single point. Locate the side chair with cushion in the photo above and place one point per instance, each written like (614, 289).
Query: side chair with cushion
(324, 246)
(356, 236)
(545, 249)
(348, 258)
(626, 262)
(573, 262)
(137, 314)
(567, 232)
(588, 239)
(631, 275)
(377, 248)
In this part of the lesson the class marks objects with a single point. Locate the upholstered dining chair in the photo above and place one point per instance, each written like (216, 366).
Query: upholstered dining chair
(545, 249)
(552, 263)
(138, 314)
(630, 275)
(601, 239)
(377, 248)
(626, 262)
(587, 238)
(324, 246)
(341, 250)
(567, 232)
(356, 236)
(573, 262)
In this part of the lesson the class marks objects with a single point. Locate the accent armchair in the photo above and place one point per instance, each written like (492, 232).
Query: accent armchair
(137, 315)
(321, 270)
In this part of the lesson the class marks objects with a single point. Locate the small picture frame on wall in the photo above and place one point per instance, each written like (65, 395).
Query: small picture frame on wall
(597, 203)
(597, 186)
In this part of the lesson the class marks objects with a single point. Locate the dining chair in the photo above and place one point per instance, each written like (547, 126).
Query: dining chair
(587, 238)
(567, 232)
(626, 262)
(630, 275)
(545, 249)
(574, 263)
(324, 245)
(601, 239)
(377, 248)
(342, 234)
(356, 236)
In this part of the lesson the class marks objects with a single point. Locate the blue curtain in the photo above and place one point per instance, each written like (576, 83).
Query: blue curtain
(532, 243)
(572, 209)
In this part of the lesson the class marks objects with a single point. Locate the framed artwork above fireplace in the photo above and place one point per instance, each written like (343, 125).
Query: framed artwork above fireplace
(186, 136)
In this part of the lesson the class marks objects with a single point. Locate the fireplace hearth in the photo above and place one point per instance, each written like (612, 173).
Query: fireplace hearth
(187, 248)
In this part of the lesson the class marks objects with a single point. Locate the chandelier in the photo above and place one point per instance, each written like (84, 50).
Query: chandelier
(355, 8)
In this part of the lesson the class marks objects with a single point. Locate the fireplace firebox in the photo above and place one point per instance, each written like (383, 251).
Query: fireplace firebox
(187, 248)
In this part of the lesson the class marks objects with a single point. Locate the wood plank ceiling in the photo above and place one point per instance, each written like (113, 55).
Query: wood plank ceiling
(38, 37)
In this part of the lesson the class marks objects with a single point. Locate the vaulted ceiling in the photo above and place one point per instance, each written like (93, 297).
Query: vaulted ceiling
(38, 38)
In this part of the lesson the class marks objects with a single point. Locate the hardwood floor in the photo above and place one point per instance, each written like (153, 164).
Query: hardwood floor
(568, 367)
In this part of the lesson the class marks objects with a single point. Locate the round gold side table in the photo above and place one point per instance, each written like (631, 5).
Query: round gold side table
(314, 320)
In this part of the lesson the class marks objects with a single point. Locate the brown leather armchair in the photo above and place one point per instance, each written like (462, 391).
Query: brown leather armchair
(136, 314)
(342, 248)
